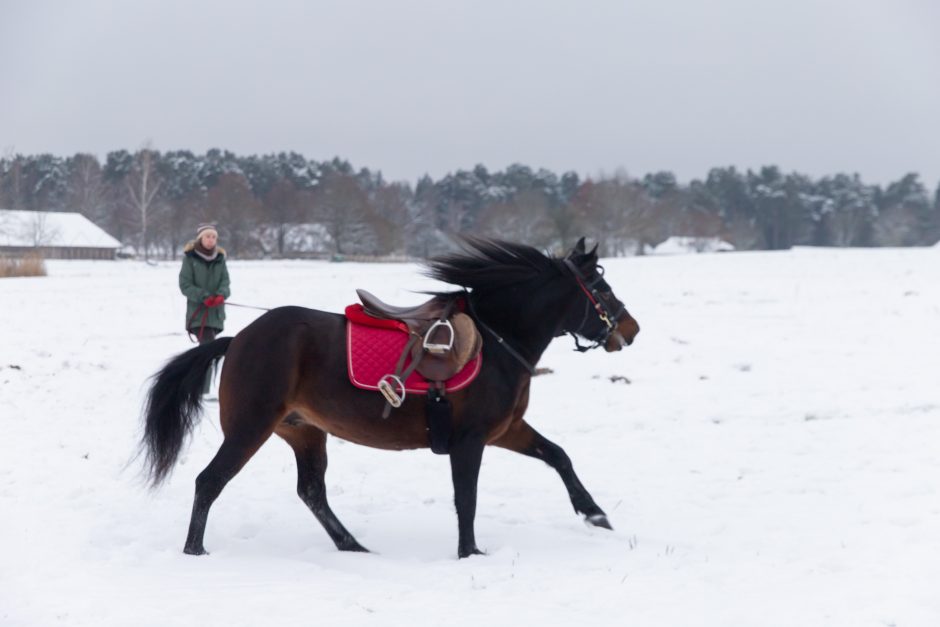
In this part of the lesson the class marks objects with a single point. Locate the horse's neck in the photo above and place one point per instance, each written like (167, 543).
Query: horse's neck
(528, 329)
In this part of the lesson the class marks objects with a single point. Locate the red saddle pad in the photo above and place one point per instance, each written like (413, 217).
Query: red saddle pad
(373, 347)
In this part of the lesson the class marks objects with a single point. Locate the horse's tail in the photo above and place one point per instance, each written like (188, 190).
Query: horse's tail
(174, 404)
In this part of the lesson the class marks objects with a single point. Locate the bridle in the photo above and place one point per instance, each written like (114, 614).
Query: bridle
(593, 298)
(600, 307)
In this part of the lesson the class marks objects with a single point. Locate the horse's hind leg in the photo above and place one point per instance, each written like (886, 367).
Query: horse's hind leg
(309, 444)
(522, 438)
(230, 458)
(466, 455)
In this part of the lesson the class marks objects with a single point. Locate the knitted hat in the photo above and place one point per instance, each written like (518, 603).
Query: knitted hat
(205, 228)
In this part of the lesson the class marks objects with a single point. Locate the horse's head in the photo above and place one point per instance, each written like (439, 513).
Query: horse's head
(597, 314)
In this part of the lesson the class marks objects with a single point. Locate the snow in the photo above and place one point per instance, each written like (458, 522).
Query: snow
(771, 461)
(50, 228)
(681, 245)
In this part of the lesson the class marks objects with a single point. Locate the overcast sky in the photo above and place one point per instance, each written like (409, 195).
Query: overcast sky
(431, 86)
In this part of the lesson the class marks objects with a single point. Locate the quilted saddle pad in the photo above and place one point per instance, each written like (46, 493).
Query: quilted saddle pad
(373, 347)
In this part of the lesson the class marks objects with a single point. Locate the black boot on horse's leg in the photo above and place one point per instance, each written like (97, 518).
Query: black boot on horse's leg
(465, 458)
(309, 444)
(209, 484)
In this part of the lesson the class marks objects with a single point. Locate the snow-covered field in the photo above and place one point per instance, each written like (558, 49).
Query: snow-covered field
(773, 459)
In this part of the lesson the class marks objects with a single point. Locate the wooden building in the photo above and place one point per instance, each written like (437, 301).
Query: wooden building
(54, 235)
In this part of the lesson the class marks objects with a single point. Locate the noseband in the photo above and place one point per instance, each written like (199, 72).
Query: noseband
(600, 307)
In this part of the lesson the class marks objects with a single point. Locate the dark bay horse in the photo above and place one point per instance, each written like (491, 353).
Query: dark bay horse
(286, 374)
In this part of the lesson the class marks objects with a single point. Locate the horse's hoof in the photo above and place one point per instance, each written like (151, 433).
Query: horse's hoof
(195, 551)
(462, 553)
(598, 520)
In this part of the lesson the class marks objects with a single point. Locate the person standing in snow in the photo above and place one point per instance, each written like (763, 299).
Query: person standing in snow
(204, 282)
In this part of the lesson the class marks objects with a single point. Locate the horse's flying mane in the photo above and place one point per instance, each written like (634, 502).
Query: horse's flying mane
(490, 264)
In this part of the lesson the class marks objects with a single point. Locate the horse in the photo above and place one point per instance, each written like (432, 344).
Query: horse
(286, 374)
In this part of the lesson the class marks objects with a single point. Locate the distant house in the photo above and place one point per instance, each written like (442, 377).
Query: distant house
(55, 235)
(680, 245)
(309, 239)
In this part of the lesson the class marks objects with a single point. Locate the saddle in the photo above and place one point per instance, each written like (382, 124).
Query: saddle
(442, 343)
(435, 345)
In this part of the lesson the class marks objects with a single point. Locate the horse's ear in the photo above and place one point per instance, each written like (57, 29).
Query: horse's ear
(578, 248)
(593, 252)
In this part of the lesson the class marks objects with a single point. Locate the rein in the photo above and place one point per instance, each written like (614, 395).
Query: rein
(248, 306)
(205, 316)
(499, 339)
(202, 323)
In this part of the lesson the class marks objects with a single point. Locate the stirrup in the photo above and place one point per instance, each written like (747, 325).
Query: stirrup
(435, 348)
(388, 390)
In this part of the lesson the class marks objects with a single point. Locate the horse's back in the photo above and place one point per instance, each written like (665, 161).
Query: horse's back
(267, 358)
(291, 315)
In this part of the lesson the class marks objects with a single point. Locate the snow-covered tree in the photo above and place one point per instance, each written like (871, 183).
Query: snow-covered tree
(906, 215)
(848, 210)
(735, 207)
(86, 190)
(185, 195)
(620, 214)
(524, 217)
(42, 182)
(343, 209)
(231, 204)
(143, 183)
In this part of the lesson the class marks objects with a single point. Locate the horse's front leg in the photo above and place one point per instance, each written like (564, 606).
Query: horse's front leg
(466, 454)
(522, 438)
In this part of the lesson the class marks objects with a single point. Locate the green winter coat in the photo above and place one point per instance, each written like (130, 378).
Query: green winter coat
(200, 279)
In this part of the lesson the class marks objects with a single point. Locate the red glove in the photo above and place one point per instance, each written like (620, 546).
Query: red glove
(214, 301)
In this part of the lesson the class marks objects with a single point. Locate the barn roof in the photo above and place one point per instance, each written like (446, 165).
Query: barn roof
(52, 228)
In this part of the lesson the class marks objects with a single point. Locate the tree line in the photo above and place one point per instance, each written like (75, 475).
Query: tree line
(283, 205)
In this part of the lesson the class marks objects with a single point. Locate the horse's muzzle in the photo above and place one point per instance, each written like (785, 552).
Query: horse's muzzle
(623, 335)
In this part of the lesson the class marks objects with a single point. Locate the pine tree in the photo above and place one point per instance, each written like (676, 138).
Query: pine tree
(905, 211)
